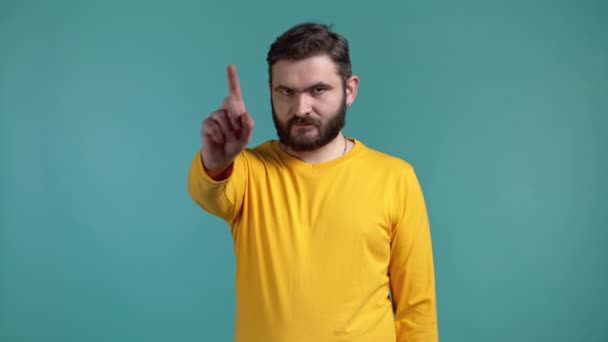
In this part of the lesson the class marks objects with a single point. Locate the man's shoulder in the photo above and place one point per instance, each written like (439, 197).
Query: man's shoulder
(384, 159)
(262, 148)
(267, 152)
(262, 152)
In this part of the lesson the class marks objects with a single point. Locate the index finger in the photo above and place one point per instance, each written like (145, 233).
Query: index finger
(234, 86)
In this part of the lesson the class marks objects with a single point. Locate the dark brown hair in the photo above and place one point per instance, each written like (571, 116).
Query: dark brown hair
(307, 40)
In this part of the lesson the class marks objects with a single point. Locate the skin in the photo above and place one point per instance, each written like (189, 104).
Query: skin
(305, 91)
(310, 91)
(226, 131)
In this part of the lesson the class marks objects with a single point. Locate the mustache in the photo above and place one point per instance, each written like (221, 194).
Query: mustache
(303, 121)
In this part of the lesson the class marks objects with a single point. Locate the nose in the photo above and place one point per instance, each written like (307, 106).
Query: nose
(303, 105)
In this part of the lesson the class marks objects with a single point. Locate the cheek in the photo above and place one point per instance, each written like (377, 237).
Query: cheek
(281, 105)
(329, 104)
(281, 110)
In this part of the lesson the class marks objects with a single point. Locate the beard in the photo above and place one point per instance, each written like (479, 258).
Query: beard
(327, 131)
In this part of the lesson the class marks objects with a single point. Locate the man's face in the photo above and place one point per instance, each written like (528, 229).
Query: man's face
(308, 100)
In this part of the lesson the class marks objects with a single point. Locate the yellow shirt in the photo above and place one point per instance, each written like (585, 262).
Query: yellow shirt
(320, 247)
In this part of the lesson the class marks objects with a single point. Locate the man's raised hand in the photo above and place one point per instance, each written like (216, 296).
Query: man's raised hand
(227, 131)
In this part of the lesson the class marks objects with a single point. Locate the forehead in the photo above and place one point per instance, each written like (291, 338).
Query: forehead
(307, 71)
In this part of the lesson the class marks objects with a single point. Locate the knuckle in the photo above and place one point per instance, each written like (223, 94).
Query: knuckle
(217, 115)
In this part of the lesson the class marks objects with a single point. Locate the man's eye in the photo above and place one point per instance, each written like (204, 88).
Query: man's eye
(319, 90)
(286, 91)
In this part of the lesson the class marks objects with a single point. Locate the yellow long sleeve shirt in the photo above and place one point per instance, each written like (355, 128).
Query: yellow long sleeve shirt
(320, 248)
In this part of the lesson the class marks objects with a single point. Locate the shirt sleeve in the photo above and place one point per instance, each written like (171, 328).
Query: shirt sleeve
(224, 198)
(411, 269)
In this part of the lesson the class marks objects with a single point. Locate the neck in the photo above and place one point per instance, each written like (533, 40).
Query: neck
(333, 150)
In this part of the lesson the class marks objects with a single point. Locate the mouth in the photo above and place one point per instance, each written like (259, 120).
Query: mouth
(303, 124)
(304, 128)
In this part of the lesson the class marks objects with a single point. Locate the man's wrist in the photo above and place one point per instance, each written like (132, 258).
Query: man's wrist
(221, 174)
(218, 173)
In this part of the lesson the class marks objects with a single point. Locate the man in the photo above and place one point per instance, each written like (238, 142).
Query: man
(331, 237)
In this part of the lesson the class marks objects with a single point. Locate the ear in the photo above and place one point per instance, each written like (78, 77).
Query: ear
(352, 84)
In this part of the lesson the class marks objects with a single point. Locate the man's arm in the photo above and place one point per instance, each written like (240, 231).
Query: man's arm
(411, 270)
(219, 192)
(219, 174)
(216, 181)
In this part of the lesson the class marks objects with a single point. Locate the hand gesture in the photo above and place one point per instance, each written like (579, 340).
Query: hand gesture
(227, 131)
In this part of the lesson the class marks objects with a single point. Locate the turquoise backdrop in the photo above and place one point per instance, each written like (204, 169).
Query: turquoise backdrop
(501, 106)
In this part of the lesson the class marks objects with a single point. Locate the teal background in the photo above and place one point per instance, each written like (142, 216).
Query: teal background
(501, 106)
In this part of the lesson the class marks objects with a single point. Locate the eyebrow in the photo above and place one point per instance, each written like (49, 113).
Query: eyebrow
(309, 88)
